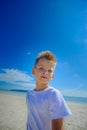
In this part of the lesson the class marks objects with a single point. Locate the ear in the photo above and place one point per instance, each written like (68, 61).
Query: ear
(52, 76)
(33, 71)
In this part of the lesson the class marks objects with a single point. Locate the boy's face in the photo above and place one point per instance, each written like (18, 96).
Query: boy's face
(44, 71)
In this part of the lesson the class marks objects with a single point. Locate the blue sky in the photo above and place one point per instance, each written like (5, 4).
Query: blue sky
(28, 27)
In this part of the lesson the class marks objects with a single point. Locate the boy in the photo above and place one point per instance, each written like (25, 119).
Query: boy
(46, 105)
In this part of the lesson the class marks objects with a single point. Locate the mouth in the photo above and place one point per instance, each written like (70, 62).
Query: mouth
(43, 77)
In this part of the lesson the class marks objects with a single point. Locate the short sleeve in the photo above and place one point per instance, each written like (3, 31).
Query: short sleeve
(57, 106)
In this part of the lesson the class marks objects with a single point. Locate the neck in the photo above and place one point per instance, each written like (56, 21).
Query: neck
(40, 87)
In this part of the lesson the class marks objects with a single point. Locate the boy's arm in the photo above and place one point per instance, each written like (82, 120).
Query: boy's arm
(57, 124)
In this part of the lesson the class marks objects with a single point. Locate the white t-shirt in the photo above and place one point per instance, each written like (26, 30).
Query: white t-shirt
(43, 106)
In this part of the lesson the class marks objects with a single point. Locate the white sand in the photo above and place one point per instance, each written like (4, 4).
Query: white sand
(13, 114)
(78, 121)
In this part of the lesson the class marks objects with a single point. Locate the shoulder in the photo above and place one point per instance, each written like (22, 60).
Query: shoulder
(56, 97)
(29, 92)
(55, 91)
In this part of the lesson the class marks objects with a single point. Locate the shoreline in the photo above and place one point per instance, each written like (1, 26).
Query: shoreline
(71, 99)
(13, 113)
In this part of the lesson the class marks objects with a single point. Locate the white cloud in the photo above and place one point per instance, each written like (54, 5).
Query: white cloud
(16, 77)
(28, 52)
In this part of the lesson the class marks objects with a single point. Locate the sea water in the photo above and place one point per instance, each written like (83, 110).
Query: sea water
(76, 99)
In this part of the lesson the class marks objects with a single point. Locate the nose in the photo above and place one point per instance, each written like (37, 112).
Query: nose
(45, 72)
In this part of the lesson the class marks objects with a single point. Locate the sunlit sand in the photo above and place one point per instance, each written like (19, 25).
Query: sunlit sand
(13, 114)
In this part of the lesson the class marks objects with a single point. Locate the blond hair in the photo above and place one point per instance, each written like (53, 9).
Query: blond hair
(47, 55)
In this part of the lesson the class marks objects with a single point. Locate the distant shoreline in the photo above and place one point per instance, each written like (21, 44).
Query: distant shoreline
(82, 100)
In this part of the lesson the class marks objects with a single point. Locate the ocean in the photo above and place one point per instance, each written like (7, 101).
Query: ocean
(76, 99)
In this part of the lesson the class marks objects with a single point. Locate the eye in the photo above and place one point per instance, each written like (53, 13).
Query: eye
(50, 71)
(40, 68)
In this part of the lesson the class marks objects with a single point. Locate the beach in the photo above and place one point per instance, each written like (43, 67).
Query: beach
(13, 113)
(78, 120)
